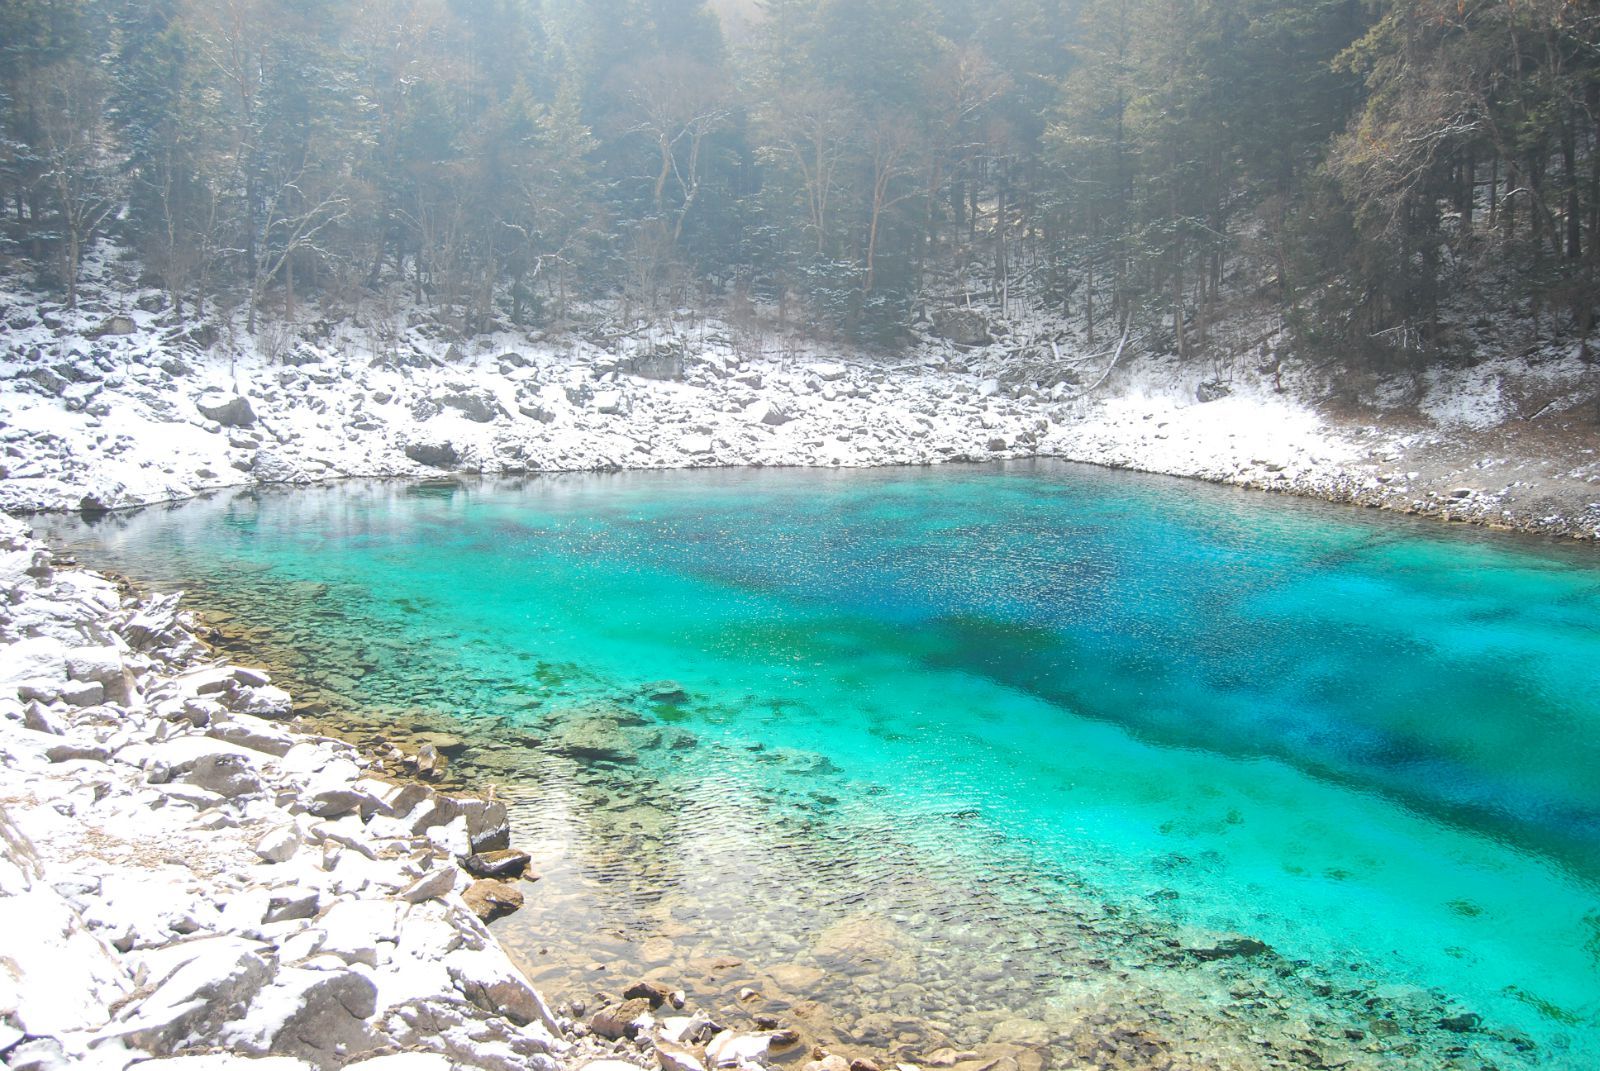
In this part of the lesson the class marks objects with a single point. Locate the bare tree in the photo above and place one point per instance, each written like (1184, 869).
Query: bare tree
(961, 89)
(893, 142)
(676, 103)
(294, 216)
(79, 164)
(812, 130)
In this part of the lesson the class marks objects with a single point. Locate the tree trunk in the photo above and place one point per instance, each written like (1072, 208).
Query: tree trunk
(73, 255)
(1569, 179)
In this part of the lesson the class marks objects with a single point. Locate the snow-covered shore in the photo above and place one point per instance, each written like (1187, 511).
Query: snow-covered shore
(188, 882)
(103, 411)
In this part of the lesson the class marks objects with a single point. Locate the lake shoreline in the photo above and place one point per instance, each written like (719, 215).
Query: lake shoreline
(110, 422)
(1338, 489)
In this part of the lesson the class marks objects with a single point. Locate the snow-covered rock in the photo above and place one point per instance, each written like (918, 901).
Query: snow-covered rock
(229, 410)
(185, 884)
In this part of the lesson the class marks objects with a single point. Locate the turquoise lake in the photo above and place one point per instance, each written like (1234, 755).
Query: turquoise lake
(954, 742)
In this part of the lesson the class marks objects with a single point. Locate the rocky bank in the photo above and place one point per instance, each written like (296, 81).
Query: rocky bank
(107, 407)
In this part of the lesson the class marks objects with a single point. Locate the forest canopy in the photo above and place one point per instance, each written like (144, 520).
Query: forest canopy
(1130, 163)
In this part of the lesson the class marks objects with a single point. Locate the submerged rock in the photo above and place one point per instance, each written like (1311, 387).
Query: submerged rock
(490, 899)
(595, 737)
(665, 692)
(1231, 947)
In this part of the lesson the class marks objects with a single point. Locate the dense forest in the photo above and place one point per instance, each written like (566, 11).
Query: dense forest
(1133, 164)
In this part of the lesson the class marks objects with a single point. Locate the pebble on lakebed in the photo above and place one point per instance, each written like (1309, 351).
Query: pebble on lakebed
(188, 882)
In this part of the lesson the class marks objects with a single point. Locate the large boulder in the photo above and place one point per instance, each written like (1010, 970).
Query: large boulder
(229, 410)
(46, 380)
(488, 824)
(479, 406)
(439, 455)
(487, 978)
(663, 365)
(319, 1016)
(269, 466)
(208, 983)
(114, 325)
(229, 776)
(964, 327)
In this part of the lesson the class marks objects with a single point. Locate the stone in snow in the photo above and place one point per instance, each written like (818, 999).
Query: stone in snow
(269, 466)
(337, 800)
(229, 776)
(41, 658)
(355, 928)
(431, 886)
(197, 998)
(317, 1015)
(279, 845)
(610, 401)
(114, 325)
(267, 701)
(665, 365)
(696, 445)
(297, 902)
(488, 979)
(488, 824)
(765, 412)
(104, 666)
(478, 406)
(253, 733)
(229, 410)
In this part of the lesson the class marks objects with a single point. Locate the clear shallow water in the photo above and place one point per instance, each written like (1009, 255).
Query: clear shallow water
(1074, 722)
